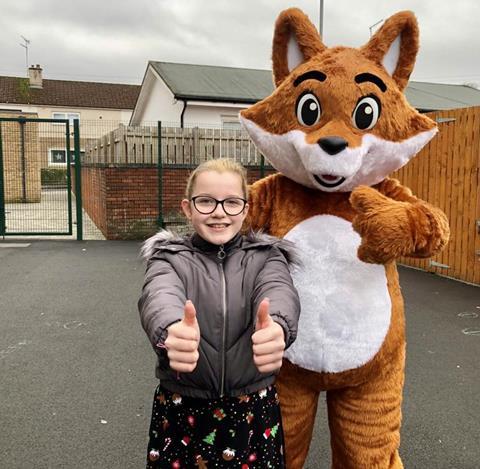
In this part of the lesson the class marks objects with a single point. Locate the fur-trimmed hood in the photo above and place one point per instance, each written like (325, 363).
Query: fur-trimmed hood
(251, 239)
(150, 246)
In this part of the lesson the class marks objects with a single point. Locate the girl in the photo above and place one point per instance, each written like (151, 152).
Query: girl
(219, 309)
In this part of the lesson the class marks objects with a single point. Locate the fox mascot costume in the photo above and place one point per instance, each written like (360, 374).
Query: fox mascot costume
(335, 127)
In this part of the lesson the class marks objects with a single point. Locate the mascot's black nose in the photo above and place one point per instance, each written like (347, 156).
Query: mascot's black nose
(333, 145)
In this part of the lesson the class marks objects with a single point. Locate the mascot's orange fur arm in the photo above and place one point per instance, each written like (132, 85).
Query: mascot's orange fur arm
(394, 223)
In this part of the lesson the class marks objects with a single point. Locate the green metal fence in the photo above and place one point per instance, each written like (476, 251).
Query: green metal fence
(98, 179)
(36, 163)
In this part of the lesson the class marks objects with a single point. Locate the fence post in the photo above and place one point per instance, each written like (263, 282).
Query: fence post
(160, 222)
(78, 179)
(69, 175)
(196, 146)
(2, 193)
(262, 166)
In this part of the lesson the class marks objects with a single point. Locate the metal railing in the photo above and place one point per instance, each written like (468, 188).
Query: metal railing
(61, 197)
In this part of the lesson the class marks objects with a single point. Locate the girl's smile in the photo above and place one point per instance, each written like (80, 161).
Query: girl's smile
(218, 226)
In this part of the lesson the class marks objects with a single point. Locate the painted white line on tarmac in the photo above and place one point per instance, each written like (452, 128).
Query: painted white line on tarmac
(14, 245)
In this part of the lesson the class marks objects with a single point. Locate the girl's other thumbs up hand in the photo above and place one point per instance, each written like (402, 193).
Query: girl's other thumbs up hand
(268, 340)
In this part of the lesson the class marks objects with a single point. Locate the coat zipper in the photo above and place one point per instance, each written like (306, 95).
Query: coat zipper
(221, 255)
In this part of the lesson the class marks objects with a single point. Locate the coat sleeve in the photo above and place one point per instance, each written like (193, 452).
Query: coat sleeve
(162, 301)
(275, 282)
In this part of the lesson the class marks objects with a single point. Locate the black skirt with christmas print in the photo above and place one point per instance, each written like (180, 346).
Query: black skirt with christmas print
(242, 432)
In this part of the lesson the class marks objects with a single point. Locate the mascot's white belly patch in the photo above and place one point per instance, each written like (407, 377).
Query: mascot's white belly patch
(346, 306)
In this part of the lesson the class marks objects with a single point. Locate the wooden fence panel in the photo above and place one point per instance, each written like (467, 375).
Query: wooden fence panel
(475, 180)
(446, 135)
(446, 173)
(137, 145)
(473, 194)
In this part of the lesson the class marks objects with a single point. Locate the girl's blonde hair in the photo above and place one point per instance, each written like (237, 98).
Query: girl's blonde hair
(221, 165)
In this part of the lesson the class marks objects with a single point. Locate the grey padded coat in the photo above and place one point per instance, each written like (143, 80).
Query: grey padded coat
(226, 290)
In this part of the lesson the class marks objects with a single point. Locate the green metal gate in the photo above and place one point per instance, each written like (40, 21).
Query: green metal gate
(36, 167)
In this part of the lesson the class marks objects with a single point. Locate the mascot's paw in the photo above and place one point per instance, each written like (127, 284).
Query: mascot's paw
(383, 224)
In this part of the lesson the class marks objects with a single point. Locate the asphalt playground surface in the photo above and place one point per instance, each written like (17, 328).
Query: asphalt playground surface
(77, 372)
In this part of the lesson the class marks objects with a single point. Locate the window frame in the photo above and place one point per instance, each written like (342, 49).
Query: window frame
(70, 116)
(229, 119)
(62, 165)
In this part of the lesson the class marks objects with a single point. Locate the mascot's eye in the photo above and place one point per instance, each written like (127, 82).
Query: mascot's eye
(366, 113)
(308, 109)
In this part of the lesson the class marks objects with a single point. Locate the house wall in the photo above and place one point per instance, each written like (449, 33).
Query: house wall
(159, 103)
(209, 114)
(161, 108)
(46, 112)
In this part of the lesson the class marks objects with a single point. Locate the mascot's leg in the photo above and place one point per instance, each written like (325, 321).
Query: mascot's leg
(365, 421)
(298, 402)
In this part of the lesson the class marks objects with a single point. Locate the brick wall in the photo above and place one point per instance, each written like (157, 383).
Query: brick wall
(94, 195)
(21, 164)
(123, 201)
(174, 184)
(131, 202)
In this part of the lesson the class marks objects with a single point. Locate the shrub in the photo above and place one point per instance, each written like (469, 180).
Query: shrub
(53, 176)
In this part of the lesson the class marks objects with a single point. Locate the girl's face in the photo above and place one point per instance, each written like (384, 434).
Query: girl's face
(217, 227)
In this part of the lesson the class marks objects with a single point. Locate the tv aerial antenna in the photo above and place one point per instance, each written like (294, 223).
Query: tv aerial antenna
(25, 46)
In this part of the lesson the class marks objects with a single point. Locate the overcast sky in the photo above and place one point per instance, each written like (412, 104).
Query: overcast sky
(105, 40)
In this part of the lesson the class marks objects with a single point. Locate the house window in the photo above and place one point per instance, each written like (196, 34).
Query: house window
(66, 115)
(58, 157)
(230, 123)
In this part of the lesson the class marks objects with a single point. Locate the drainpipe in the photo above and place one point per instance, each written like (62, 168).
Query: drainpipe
(183, 112)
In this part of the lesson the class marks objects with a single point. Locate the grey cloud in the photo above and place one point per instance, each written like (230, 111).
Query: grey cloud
(112, 41)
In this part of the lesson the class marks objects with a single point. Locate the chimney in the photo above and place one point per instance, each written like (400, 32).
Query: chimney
(35, 76)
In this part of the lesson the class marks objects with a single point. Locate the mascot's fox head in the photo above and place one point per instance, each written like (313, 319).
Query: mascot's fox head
(338, 117)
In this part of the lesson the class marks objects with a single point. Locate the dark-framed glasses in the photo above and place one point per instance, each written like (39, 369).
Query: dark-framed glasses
(206, 205)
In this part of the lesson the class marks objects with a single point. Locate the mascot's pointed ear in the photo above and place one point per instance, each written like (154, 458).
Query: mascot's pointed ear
(295, 41)
(394, 46)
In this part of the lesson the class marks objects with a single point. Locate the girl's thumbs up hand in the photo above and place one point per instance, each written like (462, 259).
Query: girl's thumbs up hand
(268, 340)
(263, 315)
(182, 341)
(190, 314)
